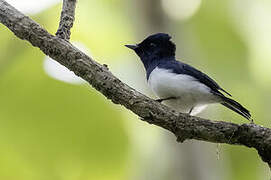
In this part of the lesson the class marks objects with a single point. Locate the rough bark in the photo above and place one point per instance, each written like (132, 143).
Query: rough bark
(66, 19)
(184, 127)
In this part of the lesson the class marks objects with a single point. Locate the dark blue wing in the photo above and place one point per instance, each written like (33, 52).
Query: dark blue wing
(201, 77)
(182, 68)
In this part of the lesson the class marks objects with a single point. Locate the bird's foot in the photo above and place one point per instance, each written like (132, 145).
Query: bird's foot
(191, 111)
(161, 100)
(251, 121)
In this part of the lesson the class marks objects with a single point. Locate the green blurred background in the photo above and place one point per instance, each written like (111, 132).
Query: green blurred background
(55, 126)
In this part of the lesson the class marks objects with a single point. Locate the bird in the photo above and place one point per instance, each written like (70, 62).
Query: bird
(177, 84)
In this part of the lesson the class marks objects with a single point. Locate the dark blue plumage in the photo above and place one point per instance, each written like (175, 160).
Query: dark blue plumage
(182, 68)
(195, 89)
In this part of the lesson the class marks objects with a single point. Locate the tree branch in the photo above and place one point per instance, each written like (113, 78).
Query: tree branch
(66, 19)
(184, 127)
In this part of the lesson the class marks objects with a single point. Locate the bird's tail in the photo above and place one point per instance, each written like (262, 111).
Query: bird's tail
(236, 107)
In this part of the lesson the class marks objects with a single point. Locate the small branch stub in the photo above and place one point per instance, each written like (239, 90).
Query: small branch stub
(66, 19)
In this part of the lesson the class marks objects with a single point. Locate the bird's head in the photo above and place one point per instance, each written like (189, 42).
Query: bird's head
(155, 46)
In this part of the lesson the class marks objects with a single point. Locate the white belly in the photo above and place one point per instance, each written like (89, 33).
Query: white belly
(189, 92)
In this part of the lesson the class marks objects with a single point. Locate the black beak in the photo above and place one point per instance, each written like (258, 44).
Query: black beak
(133, 47)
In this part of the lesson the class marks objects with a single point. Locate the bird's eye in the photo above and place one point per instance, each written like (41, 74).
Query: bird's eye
(152, 45)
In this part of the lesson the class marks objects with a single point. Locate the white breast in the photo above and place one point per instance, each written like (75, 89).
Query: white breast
(190, 93)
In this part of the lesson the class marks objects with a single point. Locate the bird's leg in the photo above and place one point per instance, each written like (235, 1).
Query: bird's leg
(191, 110)
(161, 100)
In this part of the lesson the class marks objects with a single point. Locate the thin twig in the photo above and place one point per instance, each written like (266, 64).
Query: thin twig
(184, 127)
(66, 19)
